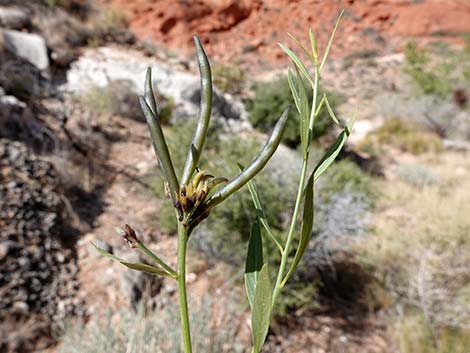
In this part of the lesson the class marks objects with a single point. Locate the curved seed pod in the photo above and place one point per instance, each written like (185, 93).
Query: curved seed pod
(160, 147)
(148, 92)
(204, 114)
(255, 167)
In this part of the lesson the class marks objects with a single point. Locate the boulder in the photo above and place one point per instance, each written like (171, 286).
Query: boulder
(28, 46)
(14, 17)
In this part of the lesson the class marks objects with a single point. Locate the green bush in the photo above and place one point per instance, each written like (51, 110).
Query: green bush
(229, 78)
(414, 335)
(346, 175)
(118, 98)
(440, 72)
(271, 98)
(402, 135)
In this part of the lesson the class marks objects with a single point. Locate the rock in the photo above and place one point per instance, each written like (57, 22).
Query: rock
(14, 17)
(38, 270)
(125, 94)
(28, 46)
(107, 65)
(135, 283)
(17, 122)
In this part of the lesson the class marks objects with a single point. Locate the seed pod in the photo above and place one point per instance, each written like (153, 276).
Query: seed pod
(255, 167)
(205, 108)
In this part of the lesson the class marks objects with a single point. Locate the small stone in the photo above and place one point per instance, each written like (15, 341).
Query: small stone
(6, 247)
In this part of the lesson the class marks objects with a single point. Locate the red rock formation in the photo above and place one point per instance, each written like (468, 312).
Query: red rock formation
(250, 29)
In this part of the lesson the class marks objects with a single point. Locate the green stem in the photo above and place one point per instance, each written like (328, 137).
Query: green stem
(300, 191)
(290, 234)
(185, 332)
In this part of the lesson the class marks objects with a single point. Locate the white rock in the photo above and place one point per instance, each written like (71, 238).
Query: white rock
(14, 17)
(28, 46)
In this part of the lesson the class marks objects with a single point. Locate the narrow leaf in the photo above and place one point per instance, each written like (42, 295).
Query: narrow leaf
(260, 212)
(134, 265)
(331, 112)
(300, 65)
(313, 43)
(309, 55)
(254, 261)
(305, 230)
(334, 150)
(304, 109)
(294, 90)
(157, 259)
(330, 42)
(261, 315)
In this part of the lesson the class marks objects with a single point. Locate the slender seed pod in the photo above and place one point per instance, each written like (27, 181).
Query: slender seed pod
(205, 108)
(255, 167)
(160, 147)
(148, 92)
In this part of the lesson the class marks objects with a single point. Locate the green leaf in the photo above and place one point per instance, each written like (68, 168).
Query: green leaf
(305, 229)
(134, 265)
(330, 42)
(254, 261)
(304, 110)
(313, 43)
(331, 112)
(334, 150)
(157, 259)
(298, 63)
(260, 211)
(309, 55)
(261, 315)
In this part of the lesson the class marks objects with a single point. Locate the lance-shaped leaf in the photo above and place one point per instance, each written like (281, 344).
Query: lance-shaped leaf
(334, 150)
(260, 211)
(261, 314)
(205, 108)
(135, 265)
(309, 55)
(313, 44)
(305, 229)
(254, 261)
(298, 63)
(154, 257)
(330, 42)
(299, 94)
(255, 167)
(330, 111)
(158, 140)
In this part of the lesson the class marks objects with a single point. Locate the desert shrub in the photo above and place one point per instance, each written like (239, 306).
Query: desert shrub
(402, 135)
(346, 175)
(368, 54)
(229, 78)
(271, 98)
(118, 97)
(416, 174)
(439, 72)
(151, 332)
(444, 118)
(418, 249)
(414, 335)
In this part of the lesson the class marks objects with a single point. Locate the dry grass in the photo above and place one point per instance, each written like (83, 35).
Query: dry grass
(420, 249)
